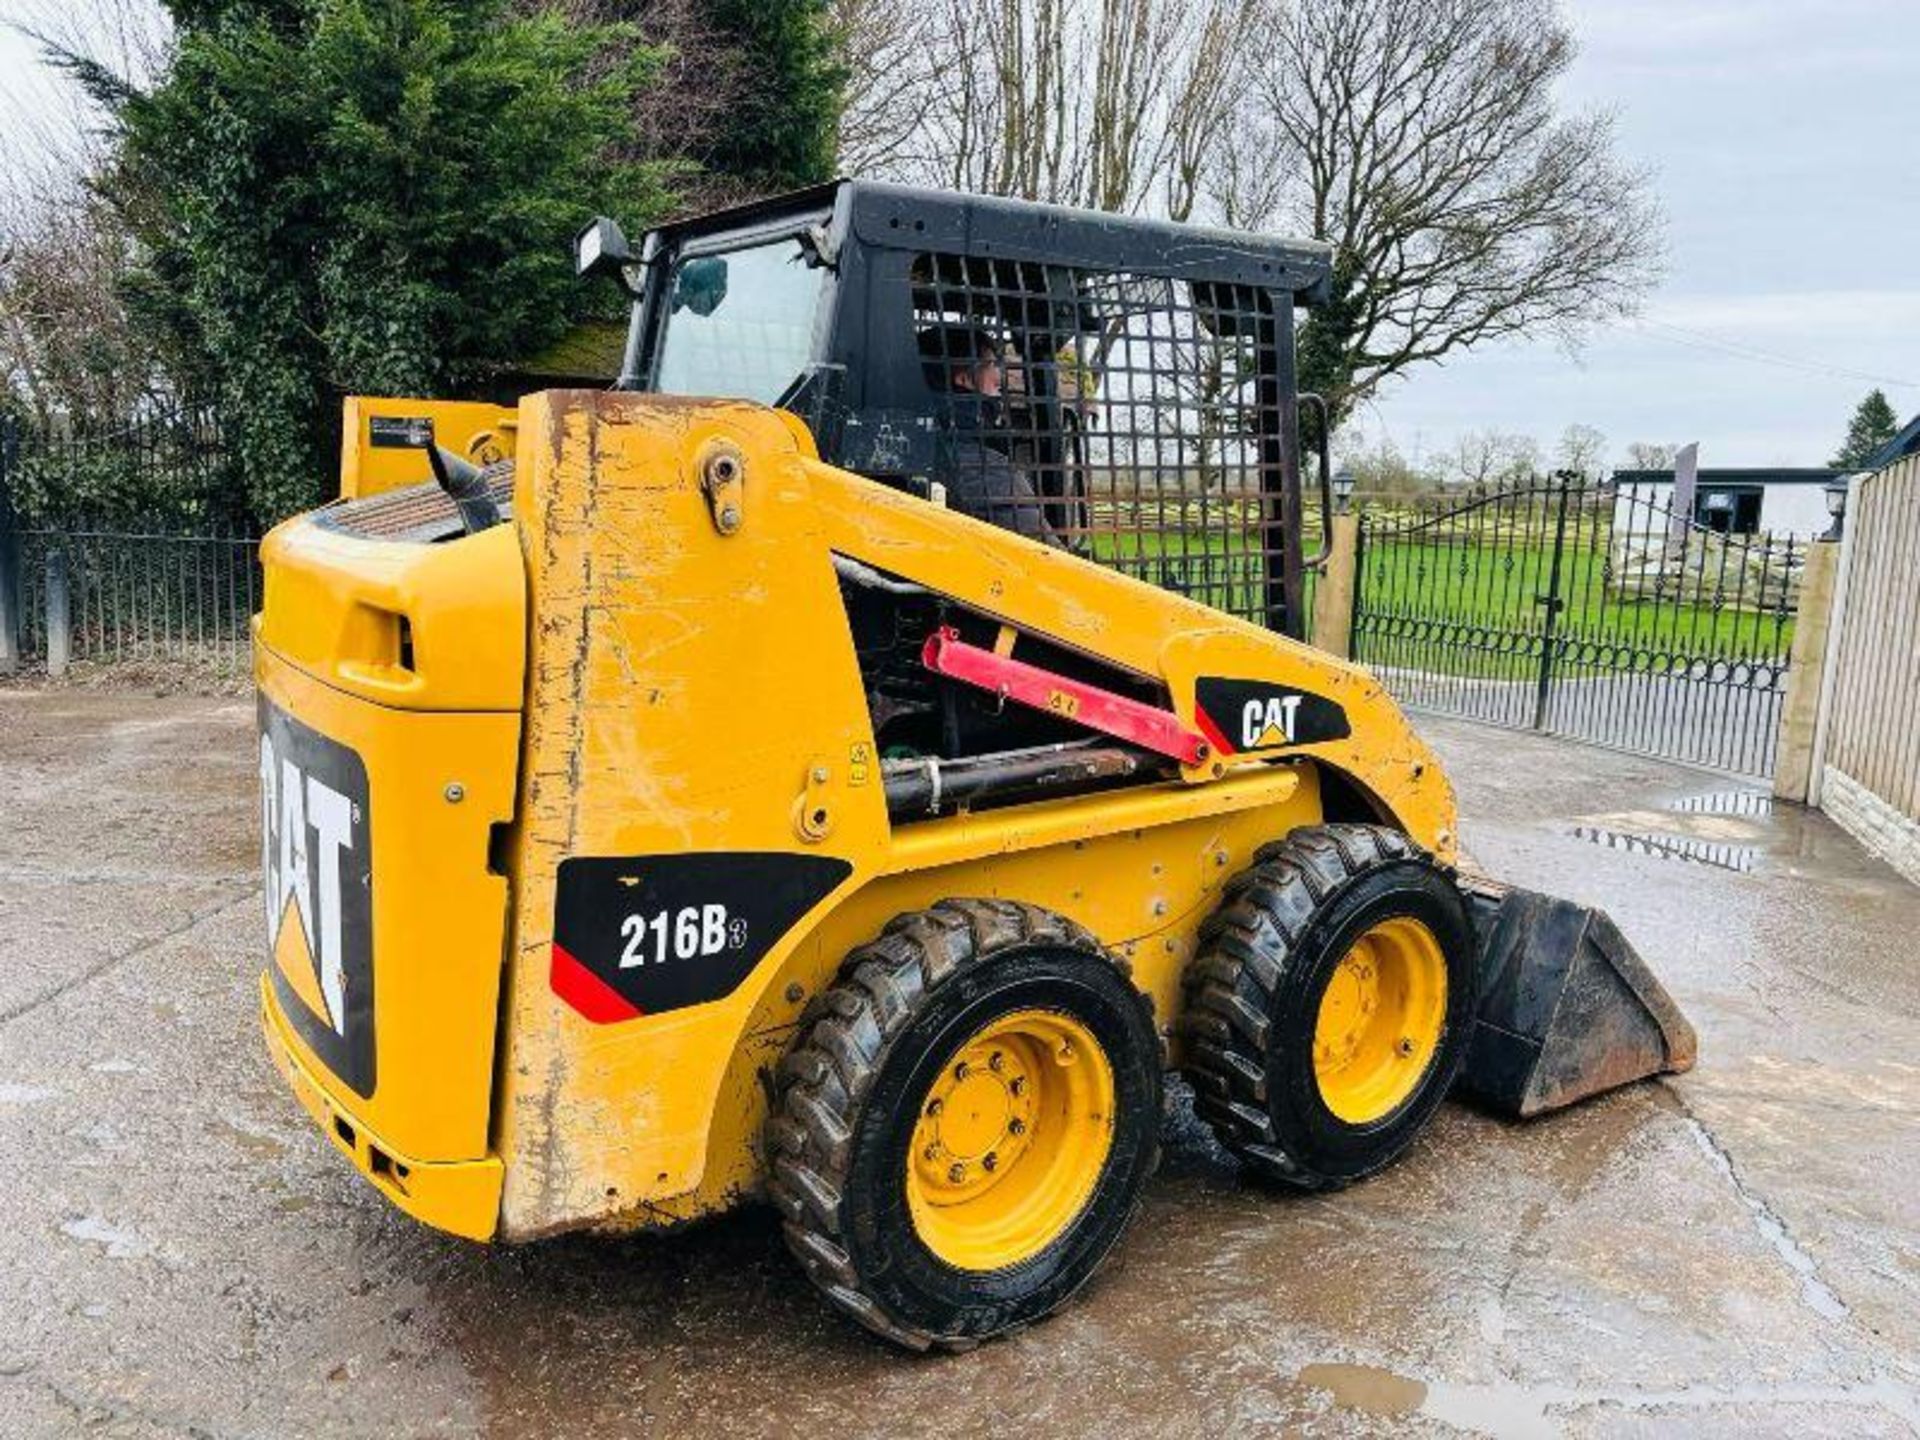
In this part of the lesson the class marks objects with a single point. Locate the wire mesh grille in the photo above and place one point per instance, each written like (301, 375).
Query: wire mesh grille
(1134, 419)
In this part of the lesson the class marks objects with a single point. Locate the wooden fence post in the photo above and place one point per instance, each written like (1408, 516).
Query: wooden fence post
(59, 614)
(1806, 670)
(1333, 596)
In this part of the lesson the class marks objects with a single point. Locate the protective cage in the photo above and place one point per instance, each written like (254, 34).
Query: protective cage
(1119, 386)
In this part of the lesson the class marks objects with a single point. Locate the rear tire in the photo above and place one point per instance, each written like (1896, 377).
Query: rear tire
(965, 1125)
(1329, 1006)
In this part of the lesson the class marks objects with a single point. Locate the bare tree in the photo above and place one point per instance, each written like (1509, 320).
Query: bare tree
(1422, 139)
(1379, 470)
(1644, 456)
(893, 54)
(1582, 449)
(1489, 457)
(68, 347)
(1119, 105)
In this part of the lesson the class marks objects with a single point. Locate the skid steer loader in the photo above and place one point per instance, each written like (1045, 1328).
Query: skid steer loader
(671, 802)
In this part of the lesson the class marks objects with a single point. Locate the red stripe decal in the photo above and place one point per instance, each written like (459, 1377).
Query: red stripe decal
(1221, 745)
(586, 991)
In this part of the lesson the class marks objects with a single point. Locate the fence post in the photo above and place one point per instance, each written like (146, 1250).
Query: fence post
(10, 578)
(1333, 596)
(59, 621)
(1806, 673)
(1553, 603)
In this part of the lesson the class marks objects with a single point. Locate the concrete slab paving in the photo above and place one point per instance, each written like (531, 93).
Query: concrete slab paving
(1735, 1252)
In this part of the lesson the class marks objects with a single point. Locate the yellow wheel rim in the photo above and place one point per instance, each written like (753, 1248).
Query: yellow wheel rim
(1380, 1021)
(1012, 1137)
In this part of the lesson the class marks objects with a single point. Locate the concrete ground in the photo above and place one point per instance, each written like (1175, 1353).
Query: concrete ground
(1736, 1252)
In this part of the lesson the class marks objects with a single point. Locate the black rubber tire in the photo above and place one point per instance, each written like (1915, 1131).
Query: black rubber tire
(847, 1098)
(1253, 992)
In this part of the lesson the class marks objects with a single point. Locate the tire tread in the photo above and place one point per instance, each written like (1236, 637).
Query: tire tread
(822, 1083)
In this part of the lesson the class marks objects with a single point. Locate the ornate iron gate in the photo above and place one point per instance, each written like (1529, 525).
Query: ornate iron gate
(1589, 611)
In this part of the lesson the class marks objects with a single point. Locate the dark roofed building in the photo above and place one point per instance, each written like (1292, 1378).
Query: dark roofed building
(1745, 501)
(1906, 443)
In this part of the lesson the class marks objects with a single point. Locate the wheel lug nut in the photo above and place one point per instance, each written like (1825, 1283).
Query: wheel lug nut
(934, 1107)
(1405, 1047)
(960, 1071)
(1018, 1085)
(993, 1061)
(932, 1152)
(1016, 1126)
(956, 1172)
(991, 1160)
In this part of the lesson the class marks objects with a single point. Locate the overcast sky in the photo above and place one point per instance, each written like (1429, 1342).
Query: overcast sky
(1780, 134)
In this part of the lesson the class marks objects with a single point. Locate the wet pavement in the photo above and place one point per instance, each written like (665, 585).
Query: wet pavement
(1734, 1252)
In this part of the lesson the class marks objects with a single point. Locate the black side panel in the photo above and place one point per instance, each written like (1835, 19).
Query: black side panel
(1244, 715)
(317, 862)
(643, 934)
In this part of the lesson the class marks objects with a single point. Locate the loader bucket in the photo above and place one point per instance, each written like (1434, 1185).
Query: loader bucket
(1568, 1009)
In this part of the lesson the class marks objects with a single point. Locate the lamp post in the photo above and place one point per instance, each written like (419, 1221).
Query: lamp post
(1836, 506)
(1342, 488)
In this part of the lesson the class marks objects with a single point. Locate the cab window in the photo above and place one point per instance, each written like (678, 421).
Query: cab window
(740, 324)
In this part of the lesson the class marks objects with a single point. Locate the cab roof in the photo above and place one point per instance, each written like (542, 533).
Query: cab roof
(879, 214)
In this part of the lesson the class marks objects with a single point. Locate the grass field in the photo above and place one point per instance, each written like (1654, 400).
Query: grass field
(1406, 581)
(1482, 580)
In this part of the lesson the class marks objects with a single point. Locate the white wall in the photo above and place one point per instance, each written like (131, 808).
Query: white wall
(1784, 509)
(1795, 510)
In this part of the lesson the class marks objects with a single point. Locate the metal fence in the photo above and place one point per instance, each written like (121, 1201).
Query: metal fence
(1583, 610)
(113, 548)
(115, 597)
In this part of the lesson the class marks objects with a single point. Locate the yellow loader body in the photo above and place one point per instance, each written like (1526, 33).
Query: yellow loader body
(525, 726)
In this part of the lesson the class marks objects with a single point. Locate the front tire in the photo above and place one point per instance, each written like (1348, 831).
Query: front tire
(966, 1123)
(1329, 1006)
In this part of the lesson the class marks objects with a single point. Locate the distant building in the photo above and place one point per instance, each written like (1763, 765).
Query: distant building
(1735, 502)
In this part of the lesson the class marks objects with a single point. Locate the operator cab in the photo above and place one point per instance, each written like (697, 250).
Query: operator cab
(1146, 405)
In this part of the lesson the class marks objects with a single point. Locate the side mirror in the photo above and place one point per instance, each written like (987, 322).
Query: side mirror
(602, 249)
(700, 285)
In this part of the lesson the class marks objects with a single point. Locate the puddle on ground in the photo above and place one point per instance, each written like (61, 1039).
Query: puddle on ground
(1740, 859)
(1536, 1412)
(119, 1242)
(252, 1139)
(1367, 1388)
(1506, 1413)
(1757, 804)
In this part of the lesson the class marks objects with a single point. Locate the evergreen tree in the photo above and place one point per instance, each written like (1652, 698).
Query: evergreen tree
(366, 196)
(1873, 424)
(781, 130)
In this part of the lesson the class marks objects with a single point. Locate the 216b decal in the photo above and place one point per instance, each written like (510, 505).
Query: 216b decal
(696, 930)
(644, 934)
